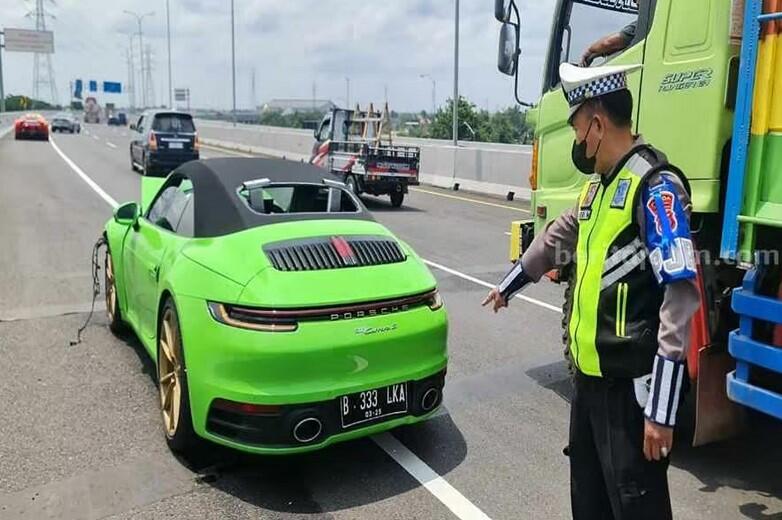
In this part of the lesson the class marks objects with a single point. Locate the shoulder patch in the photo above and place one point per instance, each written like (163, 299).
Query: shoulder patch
(665, 199)
(620, 195)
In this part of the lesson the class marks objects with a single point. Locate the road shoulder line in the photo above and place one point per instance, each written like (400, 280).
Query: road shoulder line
(427, 477)
(91, 183)
(491, 286)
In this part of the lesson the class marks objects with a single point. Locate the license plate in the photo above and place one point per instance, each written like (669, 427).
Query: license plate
(372, 405)
(175, 146)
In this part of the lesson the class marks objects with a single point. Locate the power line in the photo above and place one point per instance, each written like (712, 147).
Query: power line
(43, 73)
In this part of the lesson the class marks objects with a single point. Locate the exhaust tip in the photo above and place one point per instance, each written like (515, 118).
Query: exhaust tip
(307, 430)
(430, 399)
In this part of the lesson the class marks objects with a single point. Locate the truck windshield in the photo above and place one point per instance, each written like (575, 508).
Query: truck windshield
(590, 22)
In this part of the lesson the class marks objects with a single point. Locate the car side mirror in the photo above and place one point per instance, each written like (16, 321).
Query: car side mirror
(502, 10)
(132, 126)
(508, 52)
(127, 214)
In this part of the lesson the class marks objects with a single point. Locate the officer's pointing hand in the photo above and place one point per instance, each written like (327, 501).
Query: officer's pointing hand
(495, 299)
(658, 440)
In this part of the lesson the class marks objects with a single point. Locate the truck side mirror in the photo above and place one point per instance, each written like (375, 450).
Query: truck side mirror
(132, 126)
(508, 52)
(502, 10)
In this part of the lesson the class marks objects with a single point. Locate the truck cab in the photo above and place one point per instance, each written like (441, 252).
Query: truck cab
(685, 89)
(694, 100)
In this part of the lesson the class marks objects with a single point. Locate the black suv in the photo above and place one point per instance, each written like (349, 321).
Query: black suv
(164, 139)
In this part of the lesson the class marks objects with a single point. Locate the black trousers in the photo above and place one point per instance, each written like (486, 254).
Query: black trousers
(609, 476)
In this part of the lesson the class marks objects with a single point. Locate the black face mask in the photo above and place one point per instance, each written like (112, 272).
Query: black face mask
(584, 164)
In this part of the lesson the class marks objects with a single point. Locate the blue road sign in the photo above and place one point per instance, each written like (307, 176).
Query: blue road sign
(77, 88)
(113, 87)
(93, 85)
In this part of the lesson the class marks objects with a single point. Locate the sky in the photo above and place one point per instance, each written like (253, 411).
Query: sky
(291, 45)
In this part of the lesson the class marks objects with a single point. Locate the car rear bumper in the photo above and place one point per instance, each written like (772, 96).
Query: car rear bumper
(29, 132)
(168, 160)
(305, 373)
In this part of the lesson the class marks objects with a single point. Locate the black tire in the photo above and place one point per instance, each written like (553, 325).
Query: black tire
(116, 325)
(182, 438)
(397, 198)
(352, 184)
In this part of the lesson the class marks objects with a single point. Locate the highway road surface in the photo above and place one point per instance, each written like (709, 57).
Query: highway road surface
(81, 438)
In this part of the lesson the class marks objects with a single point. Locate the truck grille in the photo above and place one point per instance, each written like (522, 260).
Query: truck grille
(333, 253)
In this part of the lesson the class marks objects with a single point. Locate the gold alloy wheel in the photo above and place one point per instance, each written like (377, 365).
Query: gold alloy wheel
(169, 369)
(111, 289)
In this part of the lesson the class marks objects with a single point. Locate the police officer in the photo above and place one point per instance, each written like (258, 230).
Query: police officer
(634, 294)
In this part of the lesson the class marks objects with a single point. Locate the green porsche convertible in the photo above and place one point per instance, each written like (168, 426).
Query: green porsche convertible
(280, 315)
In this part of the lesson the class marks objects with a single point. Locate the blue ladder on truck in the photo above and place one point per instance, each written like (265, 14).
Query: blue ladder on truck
(750, 353)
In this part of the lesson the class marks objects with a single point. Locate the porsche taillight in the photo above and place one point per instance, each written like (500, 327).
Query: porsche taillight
(152, 143)
(533, 171)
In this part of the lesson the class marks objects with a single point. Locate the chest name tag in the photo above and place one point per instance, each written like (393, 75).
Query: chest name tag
(585, 209)
(620, 195)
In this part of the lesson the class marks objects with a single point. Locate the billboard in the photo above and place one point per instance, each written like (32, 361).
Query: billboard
(24, 40)
(181, 94)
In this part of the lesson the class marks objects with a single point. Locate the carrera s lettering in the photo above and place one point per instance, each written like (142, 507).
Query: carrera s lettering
(368, 331)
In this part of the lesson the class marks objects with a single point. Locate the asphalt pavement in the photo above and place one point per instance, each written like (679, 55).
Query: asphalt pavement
(81, 436)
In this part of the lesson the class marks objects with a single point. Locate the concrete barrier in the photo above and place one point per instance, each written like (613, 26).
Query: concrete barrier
(492, 168)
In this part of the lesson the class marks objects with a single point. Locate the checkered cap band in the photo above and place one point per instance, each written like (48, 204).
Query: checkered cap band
(596, 88)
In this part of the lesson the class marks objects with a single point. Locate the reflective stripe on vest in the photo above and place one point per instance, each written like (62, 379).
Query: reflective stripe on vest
(608, 250)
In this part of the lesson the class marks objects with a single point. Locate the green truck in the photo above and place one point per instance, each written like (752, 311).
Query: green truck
(709, 96)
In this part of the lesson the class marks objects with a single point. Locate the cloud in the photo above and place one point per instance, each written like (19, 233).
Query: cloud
(291, 45)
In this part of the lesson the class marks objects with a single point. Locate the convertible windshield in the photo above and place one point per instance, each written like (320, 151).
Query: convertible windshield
(298, 198)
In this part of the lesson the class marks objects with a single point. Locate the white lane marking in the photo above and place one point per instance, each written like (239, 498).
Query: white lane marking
(507, 233)
(491, 286)
(110, 145)
(467, 199)
(91, 183)
(434, 483)
(124, 134)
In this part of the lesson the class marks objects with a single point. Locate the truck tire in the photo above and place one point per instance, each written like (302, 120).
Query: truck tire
(397, 198)
(568, 275)
(352, 184)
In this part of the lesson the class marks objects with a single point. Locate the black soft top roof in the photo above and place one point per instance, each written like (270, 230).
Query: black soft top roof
(219, 210)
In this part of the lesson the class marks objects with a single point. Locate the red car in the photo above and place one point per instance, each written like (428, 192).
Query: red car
(31, 126)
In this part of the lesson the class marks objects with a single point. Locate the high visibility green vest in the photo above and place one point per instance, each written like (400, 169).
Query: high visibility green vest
(616, 299)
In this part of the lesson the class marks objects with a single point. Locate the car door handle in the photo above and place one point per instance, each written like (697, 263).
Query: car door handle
(153, 272)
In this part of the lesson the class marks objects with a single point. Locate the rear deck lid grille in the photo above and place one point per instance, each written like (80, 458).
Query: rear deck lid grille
(334, 252)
